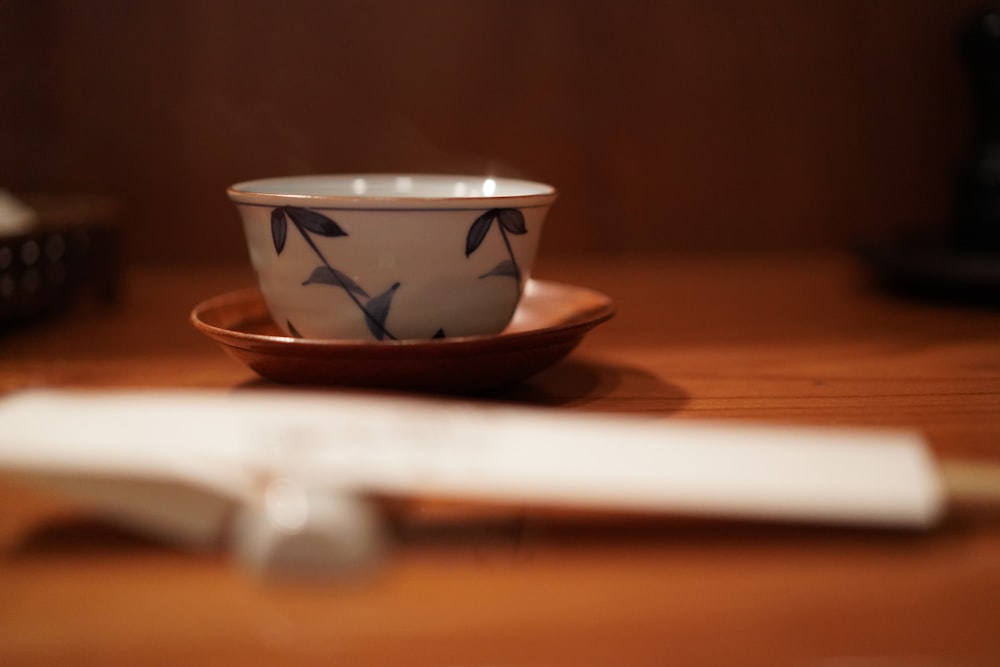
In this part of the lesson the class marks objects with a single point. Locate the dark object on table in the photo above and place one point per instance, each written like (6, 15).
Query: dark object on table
(977, 219)
(936, 271)
(964, 266)
(74, 250)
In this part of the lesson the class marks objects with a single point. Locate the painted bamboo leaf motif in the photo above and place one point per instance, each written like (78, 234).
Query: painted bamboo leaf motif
(279, 229)
(504, 268)
(512, 220)
(509, 221)
(377, 311)
(310, 220)
(478, 230)
(327, 275)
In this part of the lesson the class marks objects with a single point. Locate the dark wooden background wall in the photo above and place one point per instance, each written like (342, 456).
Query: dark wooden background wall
(680, 125)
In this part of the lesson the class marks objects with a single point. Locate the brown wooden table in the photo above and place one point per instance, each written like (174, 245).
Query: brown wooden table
(801, 338)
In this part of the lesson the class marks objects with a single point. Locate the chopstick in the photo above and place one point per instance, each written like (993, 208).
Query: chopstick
(970, 482)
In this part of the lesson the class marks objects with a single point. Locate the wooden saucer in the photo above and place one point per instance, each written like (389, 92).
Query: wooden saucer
(550, 321)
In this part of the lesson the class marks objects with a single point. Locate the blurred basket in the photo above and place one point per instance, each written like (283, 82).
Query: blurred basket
(73, 251)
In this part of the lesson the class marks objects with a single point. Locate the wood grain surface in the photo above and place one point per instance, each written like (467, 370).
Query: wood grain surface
(798, 338)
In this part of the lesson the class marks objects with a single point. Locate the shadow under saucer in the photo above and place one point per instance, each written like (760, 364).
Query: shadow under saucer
(581, 380)
(576, 381)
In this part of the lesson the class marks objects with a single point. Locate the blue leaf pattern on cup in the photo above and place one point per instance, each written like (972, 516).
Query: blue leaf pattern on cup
(309, 222)
(504, 268)
(511, 221)
(317, 223)
(375, 310)
(478, 230)
(279, 229)
(327, 275)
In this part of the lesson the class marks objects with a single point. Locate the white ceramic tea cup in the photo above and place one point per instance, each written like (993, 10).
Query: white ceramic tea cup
(384, 257)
